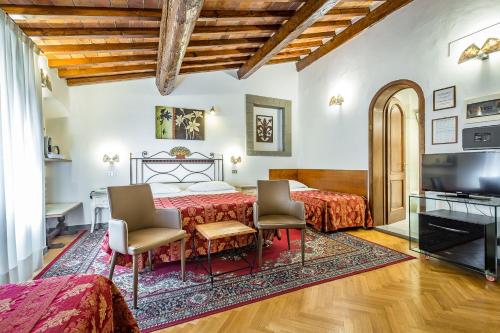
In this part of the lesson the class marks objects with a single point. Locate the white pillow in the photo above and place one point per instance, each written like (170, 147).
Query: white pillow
(210, 186)
(161, 188)
(295, 185)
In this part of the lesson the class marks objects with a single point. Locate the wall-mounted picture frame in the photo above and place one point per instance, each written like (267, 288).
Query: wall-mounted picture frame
(485, 108)
(445, 130)
(269, 126)
(179, 123)
(445, 98)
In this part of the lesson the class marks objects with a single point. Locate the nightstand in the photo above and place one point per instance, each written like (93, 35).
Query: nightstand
(97, 205)
(247, 189)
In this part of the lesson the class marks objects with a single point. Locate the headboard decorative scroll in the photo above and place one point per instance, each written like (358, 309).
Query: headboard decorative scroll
(166, 168)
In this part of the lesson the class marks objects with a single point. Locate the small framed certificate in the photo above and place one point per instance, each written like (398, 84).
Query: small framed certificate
(444, 98)
(444, 130)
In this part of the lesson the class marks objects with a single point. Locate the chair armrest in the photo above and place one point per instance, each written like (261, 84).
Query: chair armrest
(118, 236)
(297, 210)
(256, 214)
(167, 218)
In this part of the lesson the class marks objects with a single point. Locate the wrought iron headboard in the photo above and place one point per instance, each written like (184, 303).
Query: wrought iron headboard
(166, 168)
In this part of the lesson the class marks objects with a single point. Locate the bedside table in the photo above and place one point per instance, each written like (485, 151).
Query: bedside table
(97, 205)
(247, 189)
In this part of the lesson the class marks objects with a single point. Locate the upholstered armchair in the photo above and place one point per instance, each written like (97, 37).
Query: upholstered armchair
(136, 227)
(275, 209)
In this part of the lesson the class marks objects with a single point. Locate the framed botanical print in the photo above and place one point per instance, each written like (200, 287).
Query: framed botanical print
(444, 98)
(264, 128)
(269, 129)
(179, 123)
(444, 130)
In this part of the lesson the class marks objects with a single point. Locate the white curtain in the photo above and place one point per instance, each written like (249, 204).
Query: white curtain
(22, 234)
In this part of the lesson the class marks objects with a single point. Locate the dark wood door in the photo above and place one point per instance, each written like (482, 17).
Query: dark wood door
(396, 161)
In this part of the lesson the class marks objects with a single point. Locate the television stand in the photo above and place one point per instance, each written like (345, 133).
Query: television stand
(458, 230)
(464, 196)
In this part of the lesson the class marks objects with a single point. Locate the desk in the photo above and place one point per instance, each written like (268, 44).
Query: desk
(58, 211)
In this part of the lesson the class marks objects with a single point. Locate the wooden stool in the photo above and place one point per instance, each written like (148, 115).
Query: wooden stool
(217, 230)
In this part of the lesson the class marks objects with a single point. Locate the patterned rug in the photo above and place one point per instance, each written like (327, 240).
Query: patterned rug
(164, 300)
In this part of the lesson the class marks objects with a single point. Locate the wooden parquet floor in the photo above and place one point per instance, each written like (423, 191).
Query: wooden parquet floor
(414, 296)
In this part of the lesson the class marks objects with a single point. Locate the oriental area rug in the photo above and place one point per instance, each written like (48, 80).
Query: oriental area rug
(164, 300)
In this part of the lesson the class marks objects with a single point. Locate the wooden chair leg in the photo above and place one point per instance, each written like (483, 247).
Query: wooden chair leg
(183, 259)
(303, 250)
(150, 259)
(135, 264)
(112, 267)
(259, 246)
(288, 238)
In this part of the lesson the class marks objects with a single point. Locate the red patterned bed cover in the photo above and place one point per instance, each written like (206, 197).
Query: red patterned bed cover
(199, 209)
(73, 303)
(331, 211)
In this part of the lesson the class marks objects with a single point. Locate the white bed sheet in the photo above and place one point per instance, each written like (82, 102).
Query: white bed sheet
(186, 193)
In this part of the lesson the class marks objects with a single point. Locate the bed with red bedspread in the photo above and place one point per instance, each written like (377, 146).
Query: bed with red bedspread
(331, 211)
(74, 303)
(199, 209)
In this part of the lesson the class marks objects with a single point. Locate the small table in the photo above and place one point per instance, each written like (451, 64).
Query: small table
(59, 212)
(217, 230)
(98, 204)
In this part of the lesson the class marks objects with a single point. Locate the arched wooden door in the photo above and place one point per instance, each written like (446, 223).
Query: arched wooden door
(395, 147)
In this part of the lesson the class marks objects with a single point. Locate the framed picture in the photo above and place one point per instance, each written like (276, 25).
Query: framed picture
(444, 98)
(264, 129)
(486, 108)
(269, 126)
(445, 130)
(179, 123)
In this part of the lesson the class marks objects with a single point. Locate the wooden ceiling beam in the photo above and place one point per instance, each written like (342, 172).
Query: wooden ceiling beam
(177, 24)
(218, 53)
(93, 71)
(104, 47)
(91, 32)
(140, 13)
(317, 35)
(373, 17)
(332, 24)
(303, 18)
(282, 60)
(57, 63)
(109, 78)
(288, 54)
(304, 45)
(244, 14)
(143, 32)
(226, 42)
(349, 11)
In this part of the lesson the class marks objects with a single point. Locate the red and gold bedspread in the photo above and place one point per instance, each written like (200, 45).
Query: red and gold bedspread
(199, 209)
(331, 211)
(77, 303)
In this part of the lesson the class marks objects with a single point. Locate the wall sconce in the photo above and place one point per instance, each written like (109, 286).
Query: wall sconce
(212, 111)
(235, 160)
(111, 163)
(336, 100)
(474, 52)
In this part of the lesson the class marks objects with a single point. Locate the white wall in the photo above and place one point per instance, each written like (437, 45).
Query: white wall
(119, 118)
(409, 44)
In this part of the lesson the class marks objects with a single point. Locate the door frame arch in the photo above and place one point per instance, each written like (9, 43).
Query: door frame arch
(377, 168)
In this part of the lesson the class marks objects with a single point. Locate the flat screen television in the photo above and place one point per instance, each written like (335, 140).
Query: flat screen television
(462, 174)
